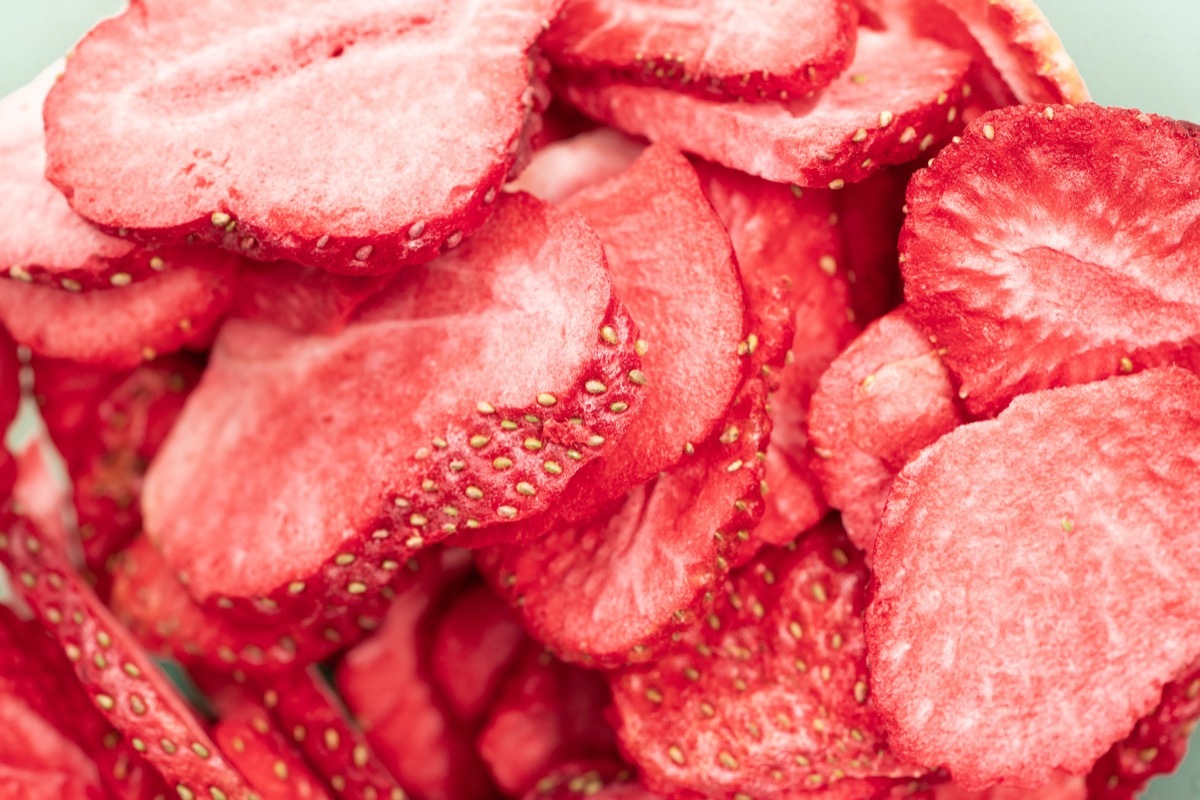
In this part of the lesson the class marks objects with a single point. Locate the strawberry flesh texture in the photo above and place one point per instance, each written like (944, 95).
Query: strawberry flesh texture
(567, 166)
(1060, 787)
(263, 754)
(548, 712)
(770, 692)
(298, 298)
(719, 49)
(119, 678)
(508, 329)
(598, 780)
(1024, 567)
(870, 214)
(1046, 208)
(894, 114)
(386, 684)
(882, 400)
(261, 174)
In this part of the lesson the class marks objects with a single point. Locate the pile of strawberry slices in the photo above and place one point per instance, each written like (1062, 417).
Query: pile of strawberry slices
(615, 399)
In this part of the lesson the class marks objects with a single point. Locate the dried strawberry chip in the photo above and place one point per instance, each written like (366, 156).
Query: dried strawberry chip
(1069, 514)
(548, 712)
(119, 678)
(612, 590)
(899, 98)
(259, 173)
(770, 693)
(1046, 208)
(882, 400)
(386, 683)
(301, 299)
(508, 332)
(598, 780)
(1156, 745)
(716, 49)
(476, 642)
(563, 168)
(1061, 787)
(263, 754)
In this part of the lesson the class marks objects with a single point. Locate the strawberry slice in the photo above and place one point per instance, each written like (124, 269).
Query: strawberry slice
(598, 780)
(770, 693)
(301, 299)
(563, 168)
(386, 683)
(898, 99)
(259, 173)
(1069, 514)
(548, 712)
(1060, 787)
(263, 754)
(119, 678)
(511, 331)
(717, 49)
(886, 397)
(1089, 209)
(870, 214)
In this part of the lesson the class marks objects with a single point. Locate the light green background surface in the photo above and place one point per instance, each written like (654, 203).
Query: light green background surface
(1136, 53)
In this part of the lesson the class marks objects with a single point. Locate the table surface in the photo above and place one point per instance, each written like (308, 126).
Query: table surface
(1143, 54)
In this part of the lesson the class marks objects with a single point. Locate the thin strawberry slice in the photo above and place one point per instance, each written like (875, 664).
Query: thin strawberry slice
(433, 102)
(1070, 514)
(263, 754)
(548, 712)
(36, 761)
(770, 694)
(1061, 787)
(1044, 208)
(119, 678)
(510, 331)
(614, 589)
(899, 98)
(118, 328)
(386, 683)
(886, 397)
(718, 49)
(598, 780)
(476, 643)
(1155, 746)
(301, 299)
(563, 168)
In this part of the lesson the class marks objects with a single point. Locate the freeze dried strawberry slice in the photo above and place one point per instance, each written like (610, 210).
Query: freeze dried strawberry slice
(119, 678)
(301, 299)
(770, 693)
(598, 780)
(613, 589)
(548, 712)
(119, 328)
(899, 98)
(563, 168)
(718, 49)
(1043, 209)
(263, 754)
(886, 397)
(1071, 514)
(386, 683)
(1156, 746)
(433, 103)
(1060, 787)
(510, 331)
(476, 642)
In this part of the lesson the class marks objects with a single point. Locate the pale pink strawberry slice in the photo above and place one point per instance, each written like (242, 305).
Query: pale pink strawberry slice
(718, 49)
(769, 692)
(548, 712)
(1024, 570)
(432, 104)
(882, 400)
(596, 779)
(897, 100)
(456, 400)
(122, 682)
(564, 167)
(1056, 245)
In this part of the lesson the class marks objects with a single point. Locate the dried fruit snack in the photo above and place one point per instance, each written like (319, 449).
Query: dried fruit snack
(1024, 569)
(900, 97)
(564, 167)
(433, 98)
(263, 754)
(301, 299)
(457, 399)
(1056, 245)
(599, 780)
(716, 48)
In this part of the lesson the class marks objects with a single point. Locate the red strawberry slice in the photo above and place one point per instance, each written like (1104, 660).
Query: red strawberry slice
(563, 168)
(1156, 746)
(301, 299)
(548, 712)
(1024, 569)
(508, 331)
(259, 173)
(120, 679)
(1060, 787)
(1087, 209)
(271, 765)
(870, 214)
(598, 780)
(770, 692)
(36, 761)
(899, 98)
(476, 642)
(614, 589)
(386, 683)
(886, 397)
(717, 49)
(119, 328)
